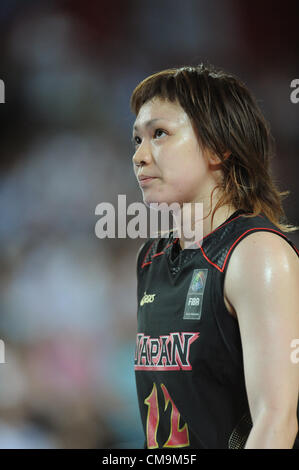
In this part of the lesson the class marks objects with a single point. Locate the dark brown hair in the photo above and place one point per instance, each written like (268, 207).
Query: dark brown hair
(227, 120)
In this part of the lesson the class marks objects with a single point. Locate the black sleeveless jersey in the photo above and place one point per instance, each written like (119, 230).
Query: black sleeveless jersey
(188, 358)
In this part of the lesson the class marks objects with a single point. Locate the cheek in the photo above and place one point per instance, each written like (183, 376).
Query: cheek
(185, 159)
(186, 172)
(181, 186)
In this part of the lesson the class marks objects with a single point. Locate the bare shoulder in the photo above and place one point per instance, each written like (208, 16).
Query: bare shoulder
(263, 245)
(261, 260)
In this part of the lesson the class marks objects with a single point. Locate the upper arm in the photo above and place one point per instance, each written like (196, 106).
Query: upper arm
(262, 284)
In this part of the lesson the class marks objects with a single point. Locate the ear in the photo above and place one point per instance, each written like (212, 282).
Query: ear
(215, 162)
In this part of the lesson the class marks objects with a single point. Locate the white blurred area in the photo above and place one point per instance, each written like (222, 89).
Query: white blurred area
(68, 299)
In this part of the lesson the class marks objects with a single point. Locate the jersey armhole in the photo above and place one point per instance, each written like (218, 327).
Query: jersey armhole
(236, 242)
(230, 320)
(247, 233)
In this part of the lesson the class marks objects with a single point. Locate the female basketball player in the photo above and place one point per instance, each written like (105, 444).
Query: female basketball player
(216, 321)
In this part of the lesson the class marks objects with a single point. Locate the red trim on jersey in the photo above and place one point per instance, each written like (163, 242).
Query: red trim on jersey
(221, 269)
(156, 254)
(176, 240)
(294, 246)
(220, 226)
(144, 264)
(208, 260)
(250, 230)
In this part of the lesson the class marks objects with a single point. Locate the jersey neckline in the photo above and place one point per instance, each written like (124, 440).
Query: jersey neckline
(176, 249)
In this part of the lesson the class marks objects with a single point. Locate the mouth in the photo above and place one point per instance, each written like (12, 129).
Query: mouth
(144, 180)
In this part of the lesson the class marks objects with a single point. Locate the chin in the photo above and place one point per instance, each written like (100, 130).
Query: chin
(168, 201)
(168, 196)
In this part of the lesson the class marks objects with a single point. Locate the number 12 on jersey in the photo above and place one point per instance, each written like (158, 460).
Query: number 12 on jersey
(178, 437)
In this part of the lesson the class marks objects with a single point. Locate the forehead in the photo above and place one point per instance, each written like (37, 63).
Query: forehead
(158, 109)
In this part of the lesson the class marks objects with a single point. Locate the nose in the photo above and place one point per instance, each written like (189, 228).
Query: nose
(143, 155)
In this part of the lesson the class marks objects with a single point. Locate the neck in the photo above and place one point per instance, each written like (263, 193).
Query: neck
(195, 222)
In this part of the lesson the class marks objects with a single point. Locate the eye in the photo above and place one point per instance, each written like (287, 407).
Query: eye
(136, 141)
(159, 133)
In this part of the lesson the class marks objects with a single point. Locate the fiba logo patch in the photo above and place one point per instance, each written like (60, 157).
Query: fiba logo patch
(193, 305)
(198, 280)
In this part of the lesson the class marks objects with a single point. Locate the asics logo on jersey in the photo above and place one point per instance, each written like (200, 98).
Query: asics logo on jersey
(147, 299)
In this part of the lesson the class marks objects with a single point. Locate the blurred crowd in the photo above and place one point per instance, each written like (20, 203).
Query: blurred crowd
(68, 299)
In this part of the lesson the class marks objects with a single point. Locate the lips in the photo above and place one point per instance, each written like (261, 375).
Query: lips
(145, 177)
(145, 180)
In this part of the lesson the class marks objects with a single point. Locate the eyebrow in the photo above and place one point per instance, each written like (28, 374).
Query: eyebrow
(148, 123)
